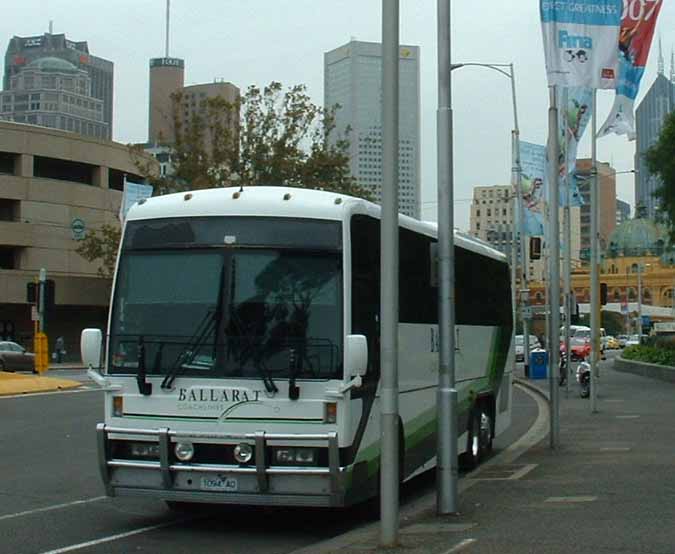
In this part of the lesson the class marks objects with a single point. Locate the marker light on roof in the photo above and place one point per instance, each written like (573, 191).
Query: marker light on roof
(338, 200)
(230, 239)
(187, 197)
(235, 195)
(287, 196)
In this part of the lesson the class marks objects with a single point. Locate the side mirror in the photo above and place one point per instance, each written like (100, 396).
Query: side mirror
(90, 348)
(356, 355)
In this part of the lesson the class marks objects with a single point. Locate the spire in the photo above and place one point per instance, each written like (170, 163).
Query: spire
(661, 69)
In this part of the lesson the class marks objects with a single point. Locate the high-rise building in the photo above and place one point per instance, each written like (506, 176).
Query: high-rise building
(492, 220)
(52, 92)
(649, 118)
(353, 81)
(167, 77)
(622, 211)
(607, 197)
(24, 50)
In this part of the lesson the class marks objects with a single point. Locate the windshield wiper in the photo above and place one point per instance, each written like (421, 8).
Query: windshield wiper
(144, 387)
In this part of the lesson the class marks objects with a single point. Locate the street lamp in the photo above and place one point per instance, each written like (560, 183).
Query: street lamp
(518, 223)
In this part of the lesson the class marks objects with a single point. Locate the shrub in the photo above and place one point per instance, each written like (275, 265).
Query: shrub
(650, 354)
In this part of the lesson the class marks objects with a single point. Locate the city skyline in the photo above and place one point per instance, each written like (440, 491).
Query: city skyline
(239, 45)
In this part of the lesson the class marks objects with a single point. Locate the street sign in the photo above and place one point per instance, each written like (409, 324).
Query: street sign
(78, 228)
(34, 316)
(526, 312)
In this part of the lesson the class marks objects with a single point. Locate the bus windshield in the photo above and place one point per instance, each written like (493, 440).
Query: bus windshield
(228, 312)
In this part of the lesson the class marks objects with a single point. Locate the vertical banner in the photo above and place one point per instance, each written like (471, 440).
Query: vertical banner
(580, 42)
(133, 192)
(573, 117)
(637, 30)
(533, 174)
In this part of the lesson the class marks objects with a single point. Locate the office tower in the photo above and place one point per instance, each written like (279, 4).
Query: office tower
(24, 50)
(622, 211)
(649, 118)
(167, 77)
(353, 80)
(52, 92)
(607, 196)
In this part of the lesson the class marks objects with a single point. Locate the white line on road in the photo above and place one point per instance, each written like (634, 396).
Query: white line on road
(84, 388)
(50, 508)
(110, 538)
(461, 546)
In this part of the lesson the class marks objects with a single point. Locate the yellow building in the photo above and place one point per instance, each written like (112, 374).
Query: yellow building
(638, 256)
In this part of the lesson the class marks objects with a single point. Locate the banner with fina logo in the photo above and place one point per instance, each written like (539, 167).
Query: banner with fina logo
(573, 117)
(580, 42)
(637, 30)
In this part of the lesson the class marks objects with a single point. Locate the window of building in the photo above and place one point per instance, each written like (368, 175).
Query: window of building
(7, 160)
(63, 170)
(9, 257)
(477, 213)
(9, 210)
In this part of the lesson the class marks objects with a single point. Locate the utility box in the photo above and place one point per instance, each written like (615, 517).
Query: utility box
(538, 364)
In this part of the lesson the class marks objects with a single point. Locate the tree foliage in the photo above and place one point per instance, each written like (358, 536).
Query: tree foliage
(660, 160)
(101, 245)
(268, 136)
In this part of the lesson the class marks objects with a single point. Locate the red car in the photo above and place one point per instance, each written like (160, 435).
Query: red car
(580, 350)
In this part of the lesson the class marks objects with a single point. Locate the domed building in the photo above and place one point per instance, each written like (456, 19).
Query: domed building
(639, 256)
(52, 92)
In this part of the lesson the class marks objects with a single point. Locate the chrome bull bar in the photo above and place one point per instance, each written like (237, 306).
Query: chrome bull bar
(260, 439)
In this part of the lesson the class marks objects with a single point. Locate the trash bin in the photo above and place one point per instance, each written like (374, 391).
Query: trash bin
(538, 364)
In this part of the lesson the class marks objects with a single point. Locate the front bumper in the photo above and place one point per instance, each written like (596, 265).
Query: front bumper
(258, 484)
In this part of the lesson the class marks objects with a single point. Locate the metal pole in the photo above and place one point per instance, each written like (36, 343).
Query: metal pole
(639, 322)
(567, 278)
(524, 293)
(595, 256)
(446, 469)
(41, 299)
(166, 50)
(389, 459)
(554, 299)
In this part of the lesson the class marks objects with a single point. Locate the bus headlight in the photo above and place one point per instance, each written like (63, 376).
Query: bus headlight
(243, 453)
(296, 456)
(184, 451)
(118, 406)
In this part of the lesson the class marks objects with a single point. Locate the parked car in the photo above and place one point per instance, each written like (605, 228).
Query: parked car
(612, 343)
(580, 350)
(520, 342)
(14, 357)
(633, 340)
(622, 340)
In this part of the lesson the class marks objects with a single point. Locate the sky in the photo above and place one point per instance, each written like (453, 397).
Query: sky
(258, 41)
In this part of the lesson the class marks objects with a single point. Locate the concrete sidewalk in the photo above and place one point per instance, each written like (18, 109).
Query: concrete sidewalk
(609, 488)
(18, 383)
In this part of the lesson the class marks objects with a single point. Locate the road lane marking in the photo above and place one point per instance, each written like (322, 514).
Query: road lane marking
(111, 538)
(460, 546)
(571, 499)
(627, 417)
(50, 508)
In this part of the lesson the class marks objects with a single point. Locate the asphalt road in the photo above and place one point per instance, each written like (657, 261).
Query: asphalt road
(52, 501)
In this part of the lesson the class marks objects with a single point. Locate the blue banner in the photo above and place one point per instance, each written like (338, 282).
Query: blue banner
(533, 177)
(573, 118)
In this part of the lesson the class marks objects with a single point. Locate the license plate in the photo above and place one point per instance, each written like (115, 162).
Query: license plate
(219, 483)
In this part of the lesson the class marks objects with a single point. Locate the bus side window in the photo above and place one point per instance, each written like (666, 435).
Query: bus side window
(365, 242)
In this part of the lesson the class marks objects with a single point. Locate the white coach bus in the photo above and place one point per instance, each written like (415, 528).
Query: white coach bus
(242, 357)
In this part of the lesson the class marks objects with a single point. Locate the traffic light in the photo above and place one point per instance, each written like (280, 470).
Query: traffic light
(535, 248)
(33, 294)
(603, 294)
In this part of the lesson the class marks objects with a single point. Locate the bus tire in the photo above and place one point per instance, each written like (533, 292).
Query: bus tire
(179, 507)
(486, 432)
(470, 459)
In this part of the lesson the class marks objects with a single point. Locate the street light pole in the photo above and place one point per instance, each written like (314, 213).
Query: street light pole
(446, 464)
(389, 264)
(518, 235)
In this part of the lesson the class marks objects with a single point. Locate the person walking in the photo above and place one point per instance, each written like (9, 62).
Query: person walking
(60, 349)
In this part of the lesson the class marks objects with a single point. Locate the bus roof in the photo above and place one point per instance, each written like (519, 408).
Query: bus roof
(273, 201)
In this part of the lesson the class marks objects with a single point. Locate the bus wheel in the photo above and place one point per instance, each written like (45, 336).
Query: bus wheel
(485, 438)
(179, 507)
(470, 459)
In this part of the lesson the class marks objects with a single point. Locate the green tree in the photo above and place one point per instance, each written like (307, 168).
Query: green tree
(660, 160)
(268, 136)
(101, 245)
